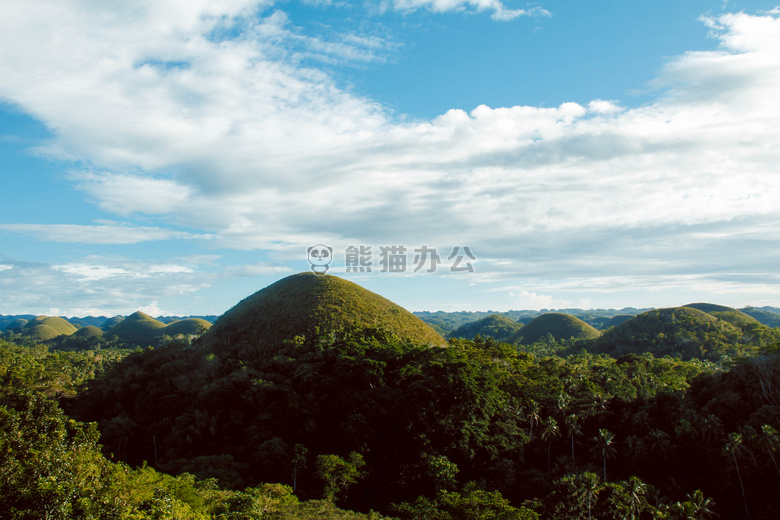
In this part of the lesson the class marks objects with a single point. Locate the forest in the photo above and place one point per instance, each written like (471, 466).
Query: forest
(359, 421)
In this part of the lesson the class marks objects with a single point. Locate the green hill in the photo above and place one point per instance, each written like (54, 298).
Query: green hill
(678, 331)
(110, 322)
(733, 316)
(41, 332)
(187, 327)
(57, 324)
(768, 318)
(494, 326)
(136, 328)
(560, 326)
(90, 331)
(301, 303)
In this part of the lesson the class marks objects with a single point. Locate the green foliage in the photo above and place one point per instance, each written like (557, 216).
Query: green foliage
(472, 503)
(137, 328)
(339, 474)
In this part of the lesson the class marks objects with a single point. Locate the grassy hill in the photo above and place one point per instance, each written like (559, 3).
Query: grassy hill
(561, 326)
(733, 316)
(768, 318)
(90, 331)
(687, 332)
(40, 332)
(301, 303)
(59, 325)
(187, 327)
(494, 326)
(136, 328)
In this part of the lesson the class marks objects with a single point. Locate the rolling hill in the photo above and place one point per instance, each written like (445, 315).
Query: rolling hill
(301, 304)
(186, 327)
(494, 326)
(687, 332)
(560, 326)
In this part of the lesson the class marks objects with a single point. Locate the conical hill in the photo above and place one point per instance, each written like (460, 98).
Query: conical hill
(301, 303)
(137, 327)
(561, 326)
(55, 323)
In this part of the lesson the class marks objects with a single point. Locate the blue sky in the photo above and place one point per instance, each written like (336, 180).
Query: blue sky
(176, 156)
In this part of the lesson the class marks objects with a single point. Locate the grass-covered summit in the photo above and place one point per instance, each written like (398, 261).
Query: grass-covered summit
(302, 303)
(560, 326)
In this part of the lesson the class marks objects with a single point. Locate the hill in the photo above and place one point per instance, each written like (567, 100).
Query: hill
(186, 327)
(111, 322)
(300, 304)
(677, 331)
(59, 325)
(90, 331)
(733, 316)
(138, 327)
(768, 318)
(560, 326)
(494, 326)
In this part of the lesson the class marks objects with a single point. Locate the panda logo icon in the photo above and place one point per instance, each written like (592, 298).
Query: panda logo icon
(320, 257)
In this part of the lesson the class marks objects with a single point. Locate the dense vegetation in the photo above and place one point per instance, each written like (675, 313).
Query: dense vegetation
(672, 414)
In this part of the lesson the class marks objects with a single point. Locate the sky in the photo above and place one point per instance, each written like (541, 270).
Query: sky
(176, 156)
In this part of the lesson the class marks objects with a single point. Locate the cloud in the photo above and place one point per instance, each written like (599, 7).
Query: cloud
(100, 234)
(500, 11)
(213, 116)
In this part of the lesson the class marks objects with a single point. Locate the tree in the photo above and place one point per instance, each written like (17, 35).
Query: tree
(574, 429)
(298, 462)
(550, 430)
(604, 447)
(734, 447)
(533, 416)
(338, 473)
(769, 440)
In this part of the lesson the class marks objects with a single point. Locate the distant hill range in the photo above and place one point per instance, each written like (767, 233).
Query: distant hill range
(136, 328)
(446, 323)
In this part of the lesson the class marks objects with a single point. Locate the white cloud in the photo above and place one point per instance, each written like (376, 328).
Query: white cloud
(499, 10)
(100, 234)
(185, 118)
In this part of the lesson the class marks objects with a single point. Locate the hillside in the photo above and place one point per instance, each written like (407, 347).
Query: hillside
(300, 304)
(494, 326)
(766, 317)
(560, 326)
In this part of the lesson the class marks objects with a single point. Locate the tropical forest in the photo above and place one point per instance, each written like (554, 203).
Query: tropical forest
(315, 398)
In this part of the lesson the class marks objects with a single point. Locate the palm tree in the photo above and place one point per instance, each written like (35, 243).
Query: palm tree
(637, 495)
(702, 506)
(604, 447)
(574, 429)
(735, 447)
(770, 441)
(533, 416)
(550, 430)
